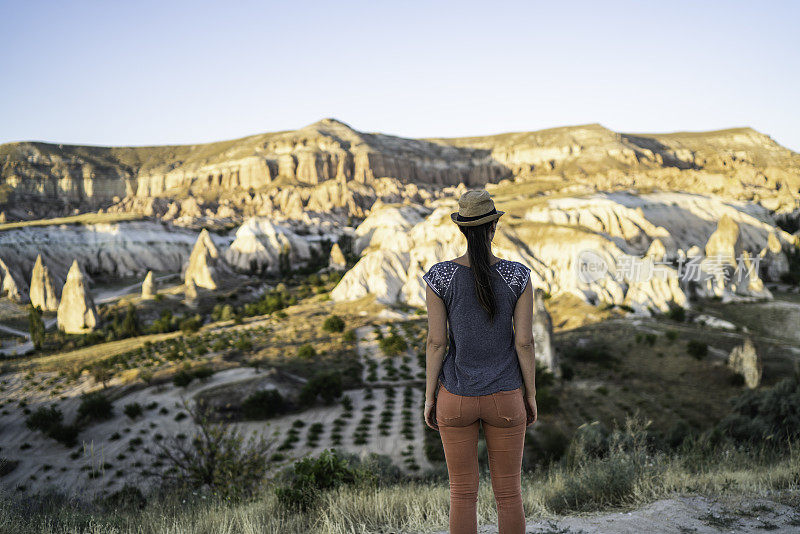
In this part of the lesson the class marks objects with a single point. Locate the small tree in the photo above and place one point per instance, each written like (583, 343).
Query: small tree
(263, 404)
(36, 326)
(216, 458)
(101, 374)
(130, 324)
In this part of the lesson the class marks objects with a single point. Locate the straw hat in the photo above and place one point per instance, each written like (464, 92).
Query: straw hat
(475, 207)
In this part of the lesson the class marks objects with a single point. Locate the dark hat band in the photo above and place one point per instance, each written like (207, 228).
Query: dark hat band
(461, 218)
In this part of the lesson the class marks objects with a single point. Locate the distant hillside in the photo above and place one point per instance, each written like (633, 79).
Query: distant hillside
(739, 162)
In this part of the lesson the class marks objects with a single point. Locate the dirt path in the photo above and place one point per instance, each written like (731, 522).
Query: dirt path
(679, 515)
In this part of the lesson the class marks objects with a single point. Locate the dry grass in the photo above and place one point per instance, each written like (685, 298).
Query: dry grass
(418, 506)
(66, 361)
(83, 218)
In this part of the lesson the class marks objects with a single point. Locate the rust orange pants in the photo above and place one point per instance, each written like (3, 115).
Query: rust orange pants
(504, 421)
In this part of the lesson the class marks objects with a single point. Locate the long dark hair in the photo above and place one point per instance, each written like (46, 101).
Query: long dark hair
(478, 251)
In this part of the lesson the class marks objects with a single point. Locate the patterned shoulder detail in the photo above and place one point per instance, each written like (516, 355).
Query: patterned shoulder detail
(439, 276)
(515, 274)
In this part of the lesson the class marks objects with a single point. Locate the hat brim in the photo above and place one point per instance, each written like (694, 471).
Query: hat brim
(476, 222)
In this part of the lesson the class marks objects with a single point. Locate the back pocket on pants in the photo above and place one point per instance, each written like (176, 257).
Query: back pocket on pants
(510, 407)
(448, 407)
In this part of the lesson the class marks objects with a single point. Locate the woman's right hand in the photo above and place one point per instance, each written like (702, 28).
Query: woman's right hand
(531, 409)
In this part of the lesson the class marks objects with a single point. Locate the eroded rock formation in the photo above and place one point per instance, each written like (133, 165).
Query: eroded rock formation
(9, 285)
(149, 286)
(640, 240)
(745, 361)
(261, 245)
(76, 311)
(42, 289)
(336, 259)
(205, 267)
(543, 334)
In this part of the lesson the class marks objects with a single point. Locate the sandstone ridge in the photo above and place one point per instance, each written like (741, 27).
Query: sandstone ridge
(739, 162)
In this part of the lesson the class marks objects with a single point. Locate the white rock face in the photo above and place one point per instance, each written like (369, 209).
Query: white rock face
(618, 228)
(392, 268)
(205, 267)
(543, 334)
(42, 290)
(149, 286)
(724, 243)
(76, 311)
(728, 268)
(118, 250)
(744, 360)
(387, 221)
(259, 243)
(679, 220)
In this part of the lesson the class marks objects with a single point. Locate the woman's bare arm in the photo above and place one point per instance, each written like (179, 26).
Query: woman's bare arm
(437, 339)
(523, 339)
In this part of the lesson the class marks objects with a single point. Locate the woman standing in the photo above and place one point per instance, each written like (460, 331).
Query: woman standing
(487, 376)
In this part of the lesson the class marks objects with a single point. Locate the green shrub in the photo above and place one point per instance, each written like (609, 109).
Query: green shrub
(36, 326)
(333, 323)
(244, 344)
(306, 351)
(697, 349)
(191, 324)
(590, 353)
(768, 417)
(182, 379)
(217, 458)
(309, 477)
(603, 470)
(49, 422)
(7, 466)
(432, 445)
(203, 372)
(165, 323)
(545, 446)
(95, 406)
(327, 384)
(133, 410)
(44, 418)
(263, 404)
(676, 313)
(350, 336)
(127, 498)
(393, 344)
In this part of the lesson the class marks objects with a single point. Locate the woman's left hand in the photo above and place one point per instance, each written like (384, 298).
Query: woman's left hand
(430, 415)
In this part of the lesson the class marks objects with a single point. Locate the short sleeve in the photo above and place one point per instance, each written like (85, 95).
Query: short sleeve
(439, 277)
(516, 276)
(526, 276)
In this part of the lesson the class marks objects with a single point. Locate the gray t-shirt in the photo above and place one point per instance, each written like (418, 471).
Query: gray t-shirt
(481, 358)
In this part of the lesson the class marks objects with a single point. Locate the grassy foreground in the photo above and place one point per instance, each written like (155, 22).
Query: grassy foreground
(630, 473)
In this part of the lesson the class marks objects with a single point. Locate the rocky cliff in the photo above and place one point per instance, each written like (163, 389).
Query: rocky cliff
(282, 171)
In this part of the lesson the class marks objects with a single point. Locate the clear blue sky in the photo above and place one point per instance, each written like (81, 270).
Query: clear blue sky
(141, 72)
